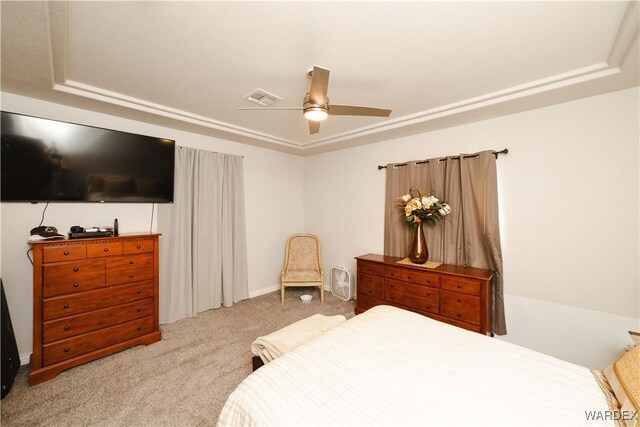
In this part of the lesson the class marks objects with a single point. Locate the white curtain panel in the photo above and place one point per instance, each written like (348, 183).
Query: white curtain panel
(204, 251)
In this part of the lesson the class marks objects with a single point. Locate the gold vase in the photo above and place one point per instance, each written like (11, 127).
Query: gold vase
(418, 253)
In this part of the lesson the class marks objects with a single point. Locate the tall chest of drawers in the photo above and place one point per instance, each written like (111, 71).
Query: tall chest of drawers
(457, 295)
(91, 298)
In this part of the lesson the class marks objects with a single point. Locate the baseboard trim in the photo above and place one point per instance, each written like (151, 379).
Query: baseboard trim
(25, 359)
(261, 291)
(268, 289)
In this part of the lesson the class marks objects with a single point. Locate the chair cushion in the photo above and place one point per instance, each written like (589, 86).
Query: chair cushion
(303, 253)
(301, 276)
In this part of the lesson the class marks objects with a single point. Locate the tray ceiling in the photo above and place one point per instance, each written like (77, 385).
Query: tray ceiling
(189, 64)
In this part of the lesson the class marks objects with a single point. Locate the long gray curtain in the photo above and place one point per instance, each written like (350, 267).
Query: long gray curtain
(204, 253)
(472, 236)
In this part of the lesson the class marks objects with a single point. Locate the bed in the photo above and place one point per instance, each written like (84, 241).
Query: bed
(389, 366)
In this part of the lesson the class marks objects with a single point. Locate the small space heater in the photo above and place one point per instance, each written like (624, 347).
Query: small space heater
(341, 284)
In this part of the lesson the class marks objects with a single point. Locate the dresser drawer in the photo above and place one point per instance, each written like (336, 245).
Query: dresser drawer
(467, 286)
(73, 276)
(137, 246)
(394, 272)
(63, 253)
(104, 249)
(127, 269)
(68, 305)
(371, 268)
(463, 307)
(369, 285)
(66, 349)
(56, 330)
(423, 278)
(364, 303)
(411, 295)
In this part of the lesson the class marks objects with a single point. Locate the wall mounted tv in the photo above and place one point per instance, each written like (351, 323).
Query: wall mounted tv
(48, 160)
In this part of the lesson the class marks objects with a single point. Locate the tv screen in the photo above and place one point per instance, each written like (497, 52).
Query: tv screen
(48, 160)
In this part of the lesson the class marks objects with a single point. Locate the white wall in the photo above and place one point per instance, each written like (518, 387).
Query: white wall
(272, 180)
(568, 205)
(586, 337)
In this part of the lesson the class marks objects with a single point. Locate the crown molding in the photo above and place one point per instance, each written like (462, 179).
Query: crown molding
(573, 77)
(58, 26)
(98, 94)
(627, 32)
(57, 18)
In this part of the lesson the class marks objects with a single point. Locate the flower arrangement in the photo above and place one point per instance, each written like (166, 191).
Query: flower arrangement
(420, 207)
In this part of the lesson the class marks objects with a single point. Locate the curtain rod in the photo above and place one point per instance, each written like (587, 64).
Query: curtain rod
(495, 153)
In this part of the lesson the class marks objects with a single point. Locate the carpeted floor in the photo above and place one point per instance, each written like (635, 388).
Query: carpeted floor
(182, 380)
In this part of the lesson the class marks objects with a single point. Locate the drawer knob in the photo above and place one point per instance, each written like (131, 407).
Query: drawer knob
(393, 286)
(131, 262)
(139, 310)
(393, 298)
(428, 280)
(393, 274)
(369, 291)
(66, 350)
(66, 306)
(131, 276)
(428, 294)
(459, 286)
(138, 246)
(369, 280)
(106, 249)
(409, 277)
(66, 328)
(139, 291)
(459, 314)
(459, 300)
(75, 269)
(66, 253)
(428, 305)
(139, 328)
(75, 285)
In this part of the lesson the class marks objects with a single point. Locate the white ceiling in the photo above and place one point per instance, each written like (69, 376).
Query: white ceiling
(436, 64)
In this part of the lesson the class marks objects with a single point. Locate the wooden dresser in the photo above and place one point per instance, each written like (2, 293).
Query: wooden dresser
(91, 298)
(457, 295)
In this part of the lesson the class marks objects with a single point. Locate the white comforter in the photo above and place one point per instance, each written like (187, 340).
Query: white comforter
(392, 367)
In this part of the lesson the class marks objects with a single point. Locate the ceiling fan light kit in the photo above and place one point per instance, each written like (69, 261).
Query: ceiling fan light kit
(316, 107)
(315, 114)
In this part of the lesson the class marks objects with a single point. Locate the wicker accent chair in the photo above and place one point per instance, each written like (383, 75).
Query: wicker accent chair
(302, 263)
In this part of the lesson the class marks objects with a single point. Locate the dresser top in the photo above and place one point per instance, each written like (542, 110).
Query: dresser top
(456, 270)
(123, 237)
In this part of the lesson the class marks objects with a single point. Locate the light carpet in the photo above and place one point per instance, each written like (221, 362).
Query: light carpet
(182, 380)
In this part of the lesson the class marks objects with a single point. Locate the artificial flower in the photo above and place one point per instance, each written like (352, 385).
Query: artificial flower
(423, 207)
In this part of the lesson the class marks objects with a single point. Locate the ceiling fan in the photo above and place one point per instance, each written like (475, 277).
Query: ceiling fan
(316, 105)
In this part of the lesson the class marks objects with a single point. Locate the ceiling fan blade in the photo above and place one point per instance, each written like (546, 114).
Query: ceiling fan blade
(314, 127)
(354, 110)
(271, 108)
(319, 86)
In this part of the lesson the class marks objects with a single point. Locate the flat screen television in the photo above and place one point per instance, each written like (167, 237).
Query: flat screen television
(48, 160)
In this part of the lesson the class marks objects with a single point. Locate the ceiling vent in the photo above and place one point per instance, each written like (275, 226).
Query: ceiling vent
(262, 97)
